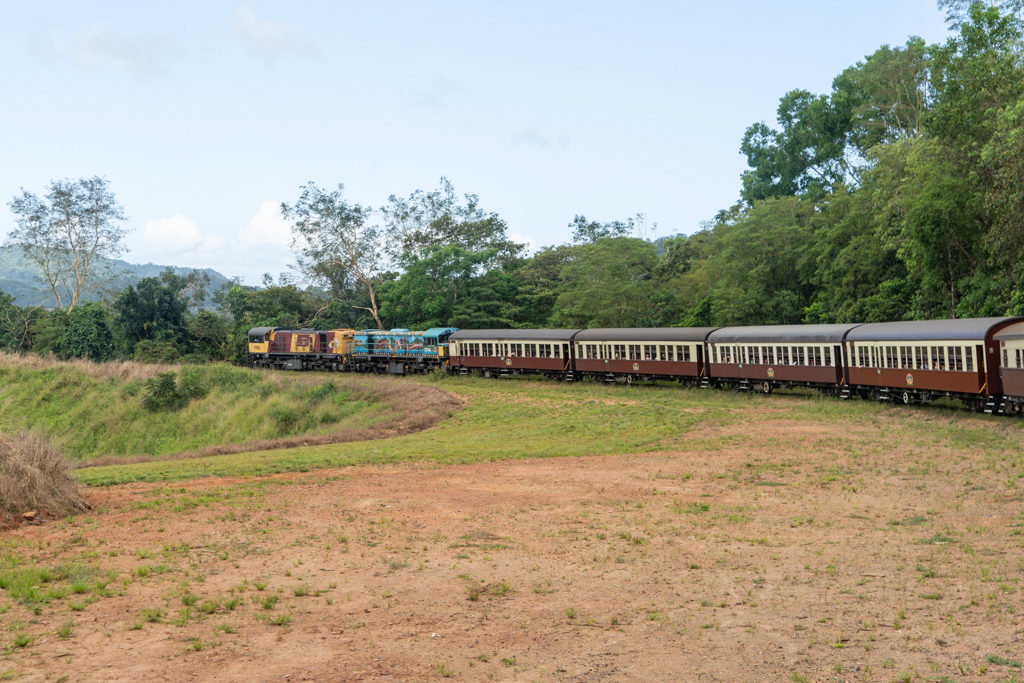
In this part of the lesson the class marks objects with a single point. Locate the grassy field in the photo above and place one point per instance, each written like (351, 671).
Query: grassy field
(509, 419)
(98, 411)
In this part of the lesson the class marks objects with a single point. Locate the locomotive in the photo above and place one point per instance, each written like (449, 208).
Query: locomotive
(979, 361)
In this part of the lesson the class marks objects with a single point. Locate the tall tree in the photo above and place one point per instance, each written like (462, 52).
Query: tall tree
(330, 234)
(806, 155)
(588, 232)
(153, 309)
(68, 233)
(439, 218)
(887, 94)
(608, 284)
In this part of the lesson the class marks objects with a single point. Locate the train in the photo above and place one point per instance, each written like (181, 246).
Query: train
(979, 361)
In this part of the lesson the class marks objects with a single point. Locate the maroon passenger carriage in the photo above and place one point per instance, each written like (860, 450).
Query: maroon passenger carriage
(770, 356)
(1011, 354)
(920, 360)
(512, 352)
(642, 353)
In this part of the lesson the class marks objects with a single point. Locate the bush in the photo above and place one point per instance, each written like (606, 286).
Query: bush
(34, 477)
(192, 384)
(162, 393)
(150, 351)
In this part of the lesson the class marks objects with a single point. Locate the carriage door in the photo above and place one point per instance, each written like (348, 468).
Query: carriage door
(979, 352)
(837, 357)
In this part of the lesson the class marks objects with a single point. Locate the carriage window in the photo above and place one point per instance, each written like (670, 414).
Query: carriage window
(957, 358)
(1019, 365)
(968, 360)
(686, 354)
(918, 359)
(828, 356)
(800, 359)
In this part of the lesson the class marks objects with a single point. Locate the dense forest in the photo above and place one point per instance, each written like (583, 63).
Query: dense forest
(899, 194)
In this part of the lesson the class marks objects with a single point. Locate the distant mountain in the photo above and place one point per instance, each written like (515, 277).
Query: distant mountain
(20, 278)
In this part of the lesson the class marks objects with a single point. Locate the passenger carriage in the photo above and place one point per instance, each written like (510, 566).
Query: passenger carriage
(1011, 354)
(513, 352)
(769, 356)
(921, 360)
(642, 353)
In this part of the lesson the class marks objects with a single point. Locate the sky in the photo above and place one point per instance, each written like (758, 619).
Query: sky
(205, 116)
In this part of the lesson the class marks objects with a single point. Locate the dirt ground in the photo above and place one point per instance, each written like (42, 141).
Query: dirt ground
(813, 558)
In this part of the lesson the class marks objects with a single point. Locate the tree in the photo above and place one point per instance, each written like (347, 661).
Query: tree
(278, 306)
(154, 309)
(87, 334)
(209, 334)
(588, 232)
(608, 284)
(887, 94)
(758, 269)
(428, 220)
(332, 235)
(69, 232)
(447, 287)
(974, 75)
(808, 154)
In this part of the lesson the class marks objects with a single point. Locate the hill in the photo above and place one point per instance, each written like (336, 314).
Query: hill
(20, 278)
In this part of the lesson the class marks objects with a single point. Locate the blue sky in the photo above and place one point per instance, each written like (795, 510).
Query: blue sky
(204, 116)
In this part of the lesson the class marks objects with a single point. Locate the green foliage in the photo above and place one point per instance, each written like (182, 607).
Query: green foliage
(151, 351)
(608, 284)
(87, 334)
(162, 393)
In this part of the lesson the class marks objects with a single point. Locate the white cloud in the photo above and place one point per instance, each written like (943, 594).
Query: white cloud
(268, 38)
(144, 56)
(267, 227)
(174, 233)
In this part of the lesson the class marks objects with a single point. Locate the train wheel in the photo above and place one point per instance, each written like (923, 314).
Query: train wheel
(907, 399)
(766, 387)
(629, 379)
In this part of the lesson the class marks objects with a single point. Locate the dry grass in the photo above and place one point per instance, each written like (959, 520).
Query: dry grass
(34, 477)
(126, 370)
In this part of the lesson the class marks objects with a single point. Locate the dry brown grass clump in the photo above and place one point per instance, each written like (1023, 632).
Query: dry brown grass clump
(34, 478)
(127, 370)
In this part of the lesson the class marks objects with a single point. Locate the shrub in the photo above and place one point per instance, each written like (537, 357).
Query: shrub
(192, 384)
(34, 477)
(162, 393)
(151, 351)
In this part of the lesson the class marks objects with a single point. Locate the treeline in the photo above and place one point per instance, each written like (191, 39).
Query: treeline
(899, 194)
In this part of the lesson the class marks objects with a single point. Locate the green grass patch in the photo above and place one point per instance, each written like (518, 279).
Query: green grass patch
(127, 415)
(508, 419)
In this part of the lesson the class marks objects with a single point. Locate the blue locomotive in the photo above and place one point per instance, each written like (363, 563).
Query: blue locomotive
(401, 351)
